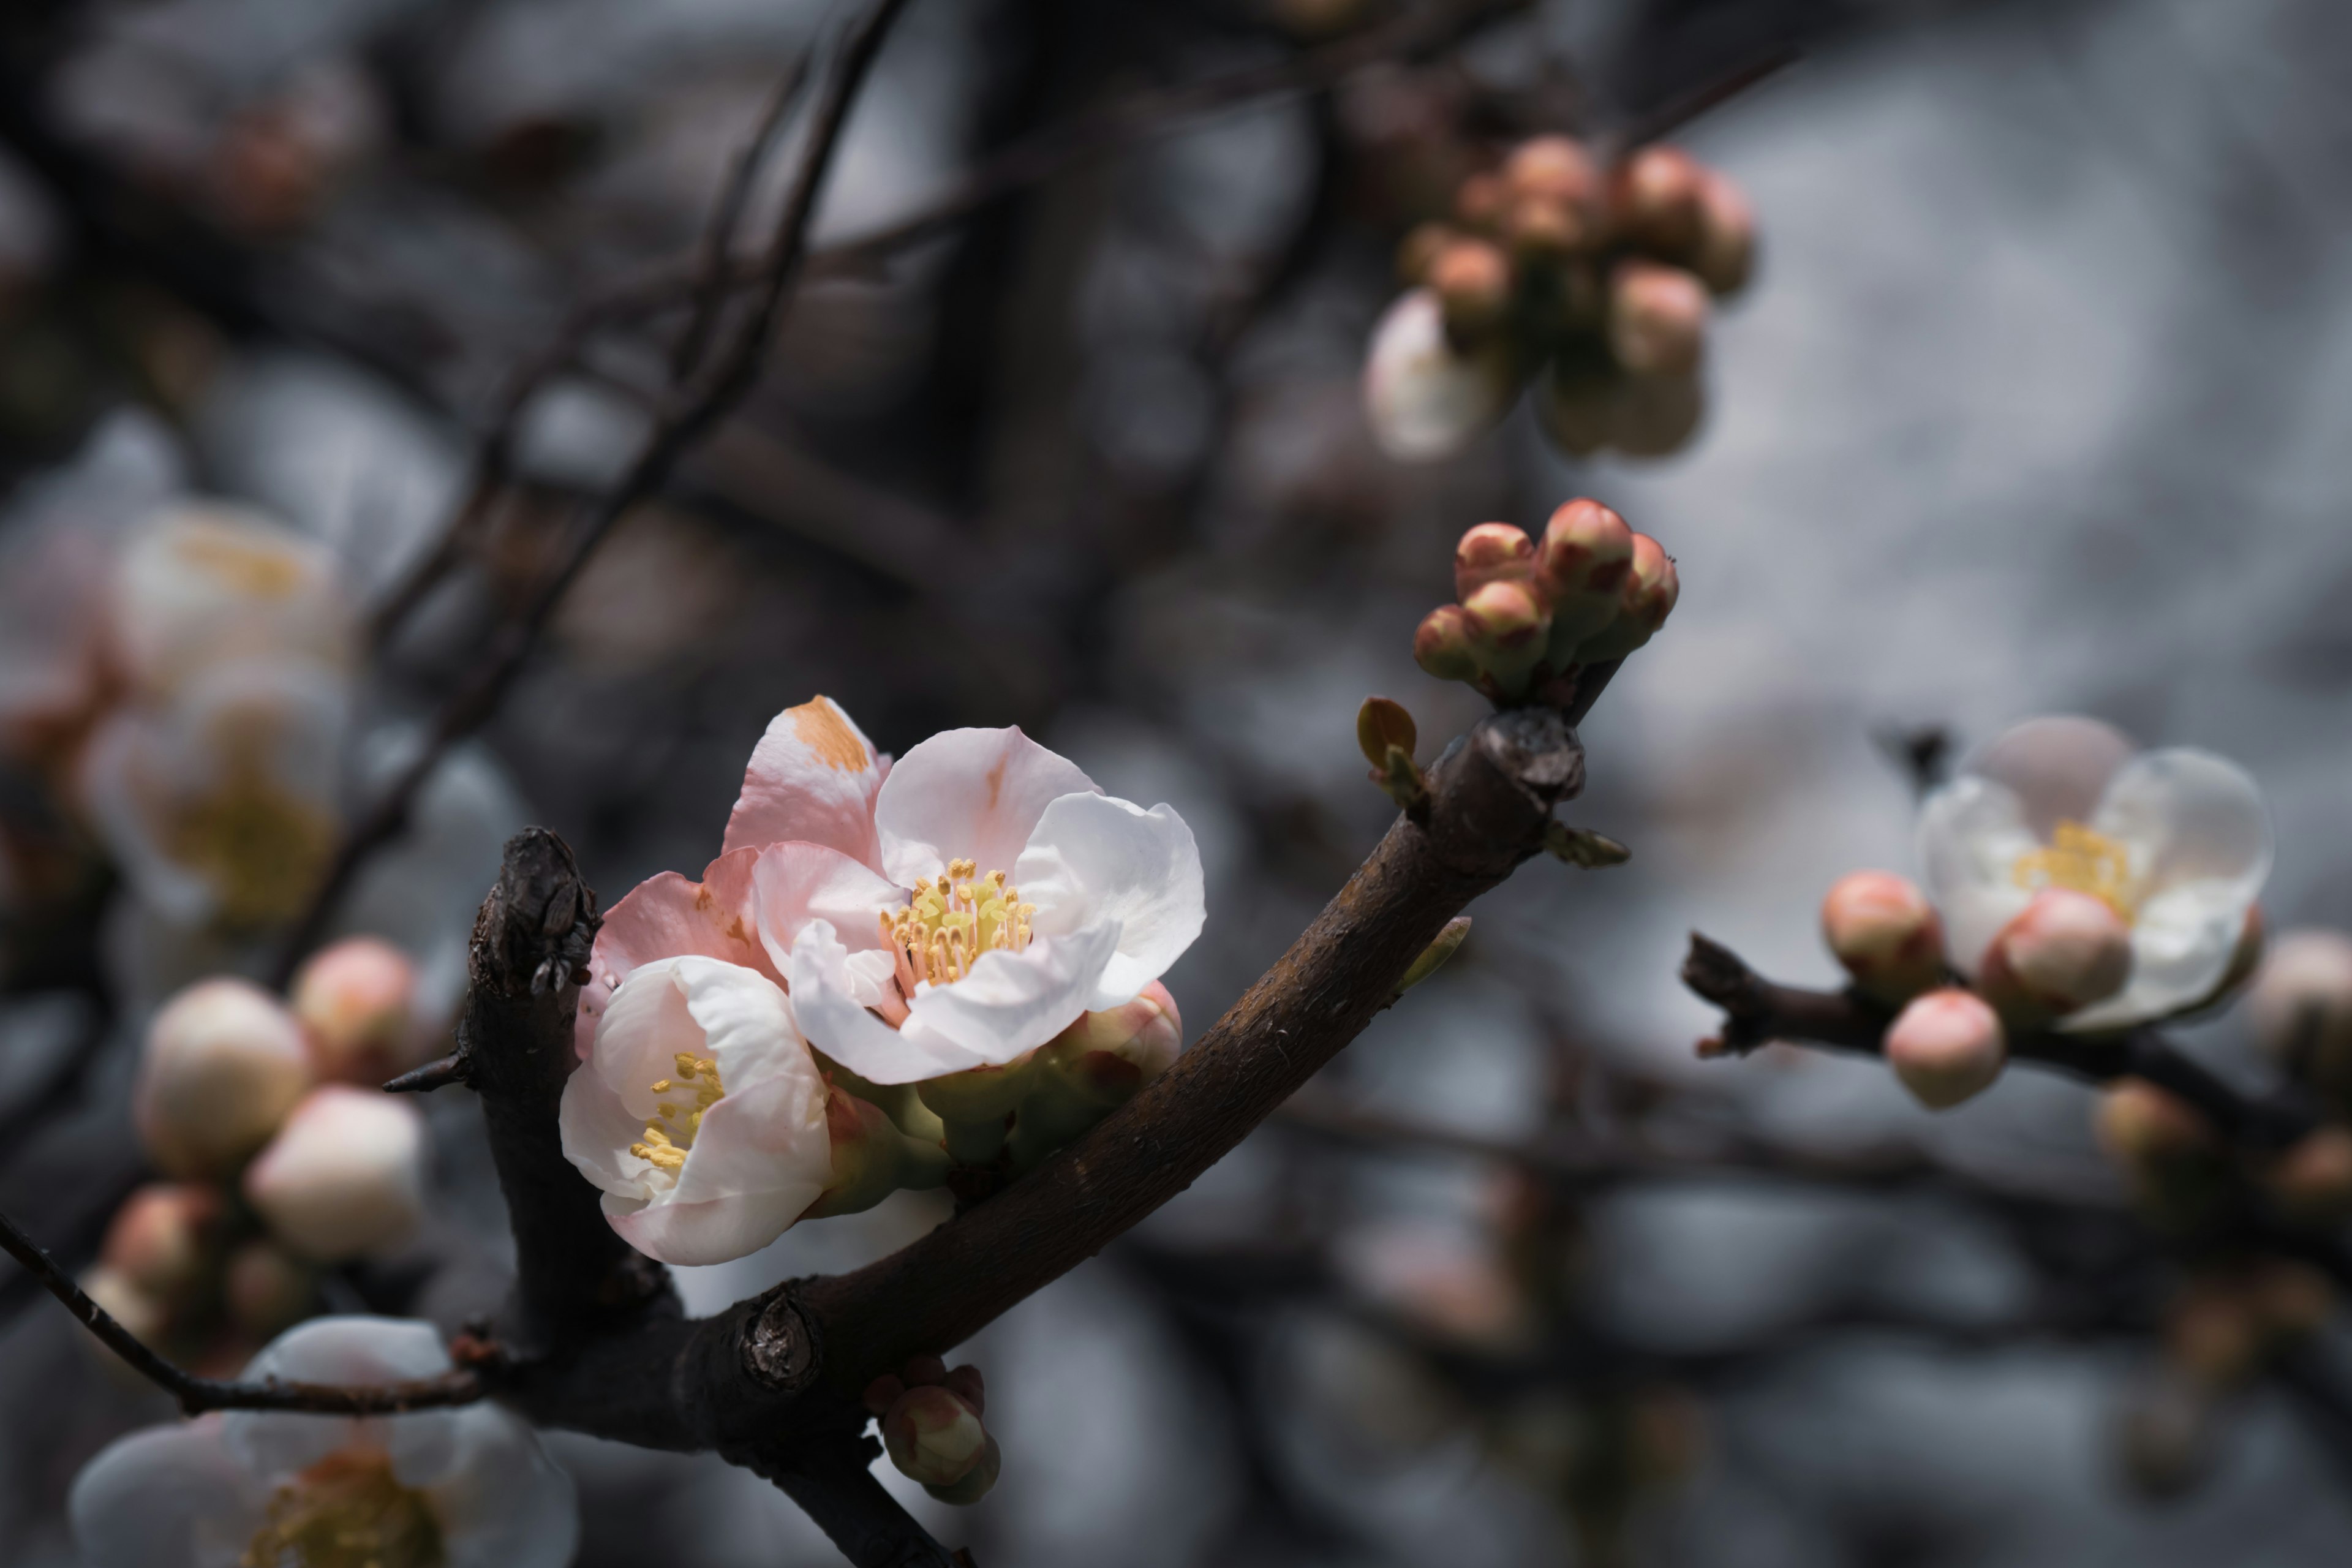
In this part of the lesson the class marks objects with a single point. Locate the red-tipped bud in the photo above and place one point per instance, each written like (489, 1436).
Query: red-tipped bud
(1726, 253)
(1885, 933)
(2063, 951)
(1657, 319)
(1473, 282)
(2300, 1007)
(1556, 168)
(1492, 552)
(2141, 1126)
(933, 1437)
(1586, 549)
(1644, 599)
(1947, 1046)
(1442, 644)
(1509, 629)
(164, 1239)
(1106, 1055)
(354, 1002)
(1657, 200)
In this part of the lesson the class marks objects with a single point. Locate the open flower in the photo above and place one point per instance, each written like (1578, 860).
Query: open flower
(699, 1112)
(955, 911)
(2174, 842)
(466, 1488)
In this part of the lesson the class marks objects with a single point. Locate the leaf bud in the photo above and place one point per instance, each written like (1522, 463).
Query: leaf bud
(1947, 1046)
(1383, 722)
(1881, 928)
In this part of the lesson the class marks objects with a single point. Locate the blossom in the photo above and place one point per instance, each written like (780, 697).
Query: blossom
(466, 1487)
(204, 583)
(954, 910)
(2175, 842)
(699, 1112)
(1426, 397)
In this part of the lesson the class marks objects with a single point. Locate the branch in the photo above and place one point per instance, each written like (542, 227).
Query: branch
(198, 1395)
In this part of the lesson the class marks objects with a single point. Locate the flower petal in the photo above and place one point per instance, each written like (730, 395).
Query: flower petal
(2189, 816)
(666, 915)
(1094, 857)
(792, 884)
(505, 1503)
(1015, 1002)
(2182, 943)
(813, 776)
(1424, 399)
(718, 1230)
(1971, 832)
(597, 1129)
(825, 990)
(343, 1349)
(169, 1497)
(968, 794)
(2059, 765)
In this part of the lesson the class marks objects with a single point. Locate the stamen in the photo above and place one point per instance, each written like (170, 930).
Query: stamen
(2085, 860)
(951, 921)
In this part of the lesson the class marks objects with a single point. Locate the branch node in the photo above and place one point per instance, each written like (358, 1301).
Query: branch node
(781, 1347)
(1536, 750)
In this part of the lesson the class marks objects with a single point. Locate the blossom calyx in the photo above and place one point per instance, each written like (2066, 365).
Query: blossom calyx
(222, 1064)
(1881, 928)
(933, 1435)
(354, 1000)
(2063, 951)
(345, 1175)
(1947, 1046)
(871, 1157)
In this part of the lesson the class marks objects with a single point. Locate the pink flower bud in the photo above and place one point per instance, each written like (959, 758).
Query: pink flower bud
(354, 1000)
(933, 1437)
(1947, 1046)
(1885, 933)
(1473, 282)
(1105, 1056)
(1492, 552)
(1657, 319)
(1644, 599)
(223, 1065)
(2301, 1006)
(1587, 549)
(1441, 645)
(1726, 252)
(162, 1241)
(1508, 630)
(266, 1290)
(1655, 199)
(2064, 951)
(344, 1176)
(1555, 167)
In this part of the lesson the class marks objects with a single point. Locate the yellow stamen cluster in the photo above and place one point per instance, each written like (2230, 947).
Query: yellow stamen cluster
(2085, 860)
(951, 921)
(348, 1511)
(671, 1131)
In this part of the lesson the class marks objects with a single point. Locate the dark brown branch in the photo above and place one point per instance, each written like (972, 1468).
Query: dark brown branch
(198, 1395)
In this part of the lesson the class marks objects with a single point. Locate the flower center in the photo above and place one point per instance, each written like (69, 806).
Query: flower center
(348, 1511)
(261, 847)
(951, 921)
(2085, 860)
(675, 1122)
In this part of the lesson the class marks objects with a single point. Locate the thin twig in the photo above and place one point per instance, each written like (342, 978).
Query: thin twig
(719, 238)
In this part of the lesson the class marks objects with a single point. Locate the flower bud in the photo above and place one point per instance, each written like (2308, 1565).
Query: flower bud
(1644, 599)
(2063, 952)
(1650, 415)
(1419, 249)
(977, 1482)
(162, 1242)
(1655, 200)
(223, 1065)
(1491, 552)
(2140, 1125)
(1544, 232)
(2312, 1181)
(1473, 283)
(1555, 167)
(871, 1157)
(353, 999)
(1427, 397)
(1947, 1046)
(1482, 200)
(1726, 253)
(1657, 319)
(1885, 933)
(1580, 567)
(266, 1290)
(933, 1437)
(2300, 1007)
(1509, 629)
(1105, 1056)
(1441, 645)
(344, 1176)
(1577, 408)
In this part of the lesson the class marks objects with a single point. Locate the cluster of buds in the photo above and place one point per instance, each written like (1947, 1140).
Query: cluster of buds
(1595, 284)
(278, 1162)
(931, 1420)
(1531, 613)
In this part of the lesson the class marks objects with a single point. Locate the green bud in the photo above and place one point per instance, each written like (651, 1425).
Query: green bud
(1432, 957)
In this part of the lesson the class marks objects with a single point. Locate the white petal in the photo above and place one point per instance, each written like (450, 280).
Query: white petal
(824, 998)
(1971, 832)
(768, 1139)
(746, 1022)
(1094, 857)
(2182, 941)
(1424, 400)
(169, 1497)
(718, 1230)
(792, 884)
(1015, 1002)
(813, 776)
(348, 1350)
(968, 794)
(2058, 766)
(597, 1131)
(2189, 816)
(505, 1503)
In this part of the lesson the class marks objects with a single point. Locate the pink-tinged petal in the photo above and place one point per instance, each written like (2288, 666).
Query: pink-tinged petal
(972, 794)
(1095, 858)
(1015, 1002)
(792, 884)
(504, 1503)
(812, 777)
(826, 987)
(169, 1497)
(663, 917)
(2058, 766)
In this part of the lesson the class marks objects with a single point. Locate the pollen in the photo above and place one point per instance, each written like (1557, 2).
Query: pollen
(951, 921)
(2085, 860)
(348, 1511)
(672, 1131)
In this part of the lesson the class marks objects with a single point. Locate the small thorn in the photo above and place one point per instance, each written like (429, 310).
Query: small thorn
(457, 1066)
(1587, 851)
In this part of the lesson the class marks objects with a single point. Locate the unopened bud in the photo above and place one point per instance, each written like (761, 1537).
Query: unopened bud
(2063, 952)
(2140, 1125)
(1543, 231)
(346, 1176)
(1577, 408)
(1509, 629)
(1586, 552)
(1657, 319)
(1555, 167)
(868, 1151)
(1108, 1054)
(164, 1238)
(1885, 933)
(267, 1289)
(933, 1437)
(223, 1065)
(354, 999)
(1644, 599)
(1726, 253)
(2300, 1007)
(1482, 200)
(1492, 552)
(1655, 200)
(1947, 1046)
(2312, 1181)
(1473, 282)
(977, 1482)
(1441, 645)
(1419, 249)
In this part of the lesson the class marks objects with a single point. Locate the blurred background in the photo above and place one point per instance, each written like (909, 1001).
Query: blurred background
(2032, 404)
